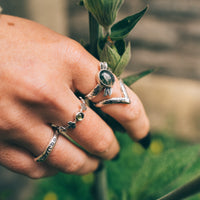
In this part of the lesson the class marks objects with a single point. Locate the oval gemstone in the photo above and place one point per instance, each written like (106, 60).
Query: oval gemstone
(106, 78)
(79, 116)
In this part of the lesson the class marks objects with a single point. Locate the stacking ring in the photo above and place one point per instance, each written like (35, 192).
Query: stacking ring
(48, 149)
(72, 124)
(105, 79)
(117, 100)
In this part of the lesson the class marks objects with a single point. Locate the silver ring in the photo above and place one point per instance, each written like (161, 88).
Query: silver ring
(105, 79)
(117, 100)
(42, 157)
(72, 124)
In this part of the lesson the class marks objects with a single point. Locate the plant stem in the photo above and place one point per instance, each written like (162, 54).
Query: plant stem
(184, 191)
(100, 184)
(94, 35)
(100, 178)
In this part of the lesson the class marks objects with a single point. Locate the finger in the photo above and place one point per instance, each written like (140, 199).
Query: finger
(65, 156)
(59, 107)
(18, 160)
(131, 116)
(92, 133)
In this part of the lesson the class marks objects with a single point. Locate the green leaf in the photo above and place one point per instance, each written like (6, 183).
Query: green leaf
(121, 46)
(125, 58)
(121, 29)
(133, 78)
(104, 11)
(186, 190)
(110, 55)
(158, 172)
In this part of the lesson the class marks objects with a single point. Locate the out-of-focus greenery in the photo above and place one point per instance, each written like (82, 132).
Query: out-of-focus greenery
(137, 175)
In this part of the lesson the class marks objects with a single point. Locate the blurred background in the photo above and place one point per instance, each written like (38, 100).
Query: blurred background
(167, 38)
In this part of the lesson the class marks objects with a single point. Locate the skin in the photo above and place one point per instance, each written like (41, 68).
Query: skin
(39, 71)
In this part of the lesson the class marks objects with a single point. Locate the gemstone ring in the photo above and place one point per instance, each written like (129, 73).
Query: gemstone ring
(72, 124)
(105, 81)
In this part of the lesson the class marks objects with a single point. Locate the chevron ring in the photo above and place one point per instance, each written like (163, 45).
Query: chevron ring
(116, 100)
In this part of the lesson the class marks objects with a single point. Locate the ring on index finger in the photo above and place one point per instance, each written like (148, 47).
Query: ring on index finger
(106, 80)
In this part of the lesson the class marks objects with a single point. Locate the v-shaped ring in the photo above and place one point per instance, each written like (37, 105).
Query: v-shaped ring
(117, 100)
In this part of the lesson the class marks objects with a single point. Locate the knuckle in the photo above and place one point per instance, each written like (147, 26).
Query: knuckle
(71, 47)
(39, 91)
(8, 122)
(104, 144)
(131, 111)
(75, 165)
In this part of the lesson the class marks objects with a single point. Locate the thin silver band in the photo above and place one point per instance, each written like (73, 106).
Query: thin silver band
(72, 124)
(42, 157)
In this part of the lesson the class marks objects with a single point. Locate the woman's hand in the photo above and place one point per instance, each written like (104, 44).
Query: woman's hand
(39, 71)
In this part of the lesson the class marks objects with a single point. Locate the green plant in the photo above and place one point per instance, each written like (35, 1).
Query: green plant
(107, 42)
(138, 174)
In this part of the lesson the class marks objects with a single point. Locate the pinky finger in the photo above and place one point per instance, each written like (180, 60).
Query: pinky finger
(18, 160)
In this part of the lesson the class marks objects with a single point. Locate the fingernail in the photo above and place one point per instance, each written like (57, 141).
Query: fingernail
(100, 167)
(146, 141)
(116, 157)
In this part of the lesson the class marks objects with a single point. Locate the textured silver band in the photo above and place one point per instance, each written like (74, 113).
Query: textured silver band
(42, 157)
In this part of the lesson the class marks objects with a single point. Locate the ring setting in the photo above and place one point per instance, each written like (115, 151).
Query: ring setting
(116, 100)
(106, 80)
(72, 124)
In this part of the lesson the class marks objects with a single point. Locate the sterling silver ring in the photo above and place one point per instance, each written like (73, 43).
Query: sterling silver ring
(105, 79)
(124, 99)
(72, 124)
(42, 157)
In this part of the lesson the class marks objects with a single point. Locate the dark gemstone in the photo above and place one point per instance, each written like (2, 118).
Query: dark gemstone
(71, 125)
(106, 78)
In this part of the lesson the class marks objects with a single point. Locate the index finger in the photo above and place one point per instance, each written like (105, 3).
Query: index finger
(131, 116)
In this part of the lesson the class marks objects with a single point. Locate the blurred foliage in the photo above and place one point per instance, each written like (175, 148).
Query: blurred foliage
(137, 175)
(129, 80)
(104, 11)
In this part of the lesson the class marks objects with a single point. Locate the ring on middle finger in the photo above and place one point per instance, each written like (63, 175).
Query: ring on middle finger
(105, 81)
(72, 124)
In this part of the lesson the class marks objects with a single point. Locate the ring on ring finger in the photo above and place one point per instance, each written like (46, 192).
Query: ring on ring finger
(42, 157)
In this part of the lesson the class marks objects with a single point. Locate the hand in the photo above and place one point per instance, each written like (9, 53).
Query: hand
(39, 71)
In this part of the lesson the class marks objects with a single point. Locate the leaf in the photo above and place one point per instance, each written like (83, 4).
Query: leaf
(158, 172)
(121, 46)
(186, 190)
(121, 29)
(104, 11)
(110, 55)
(133, 78)
(125, 58)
